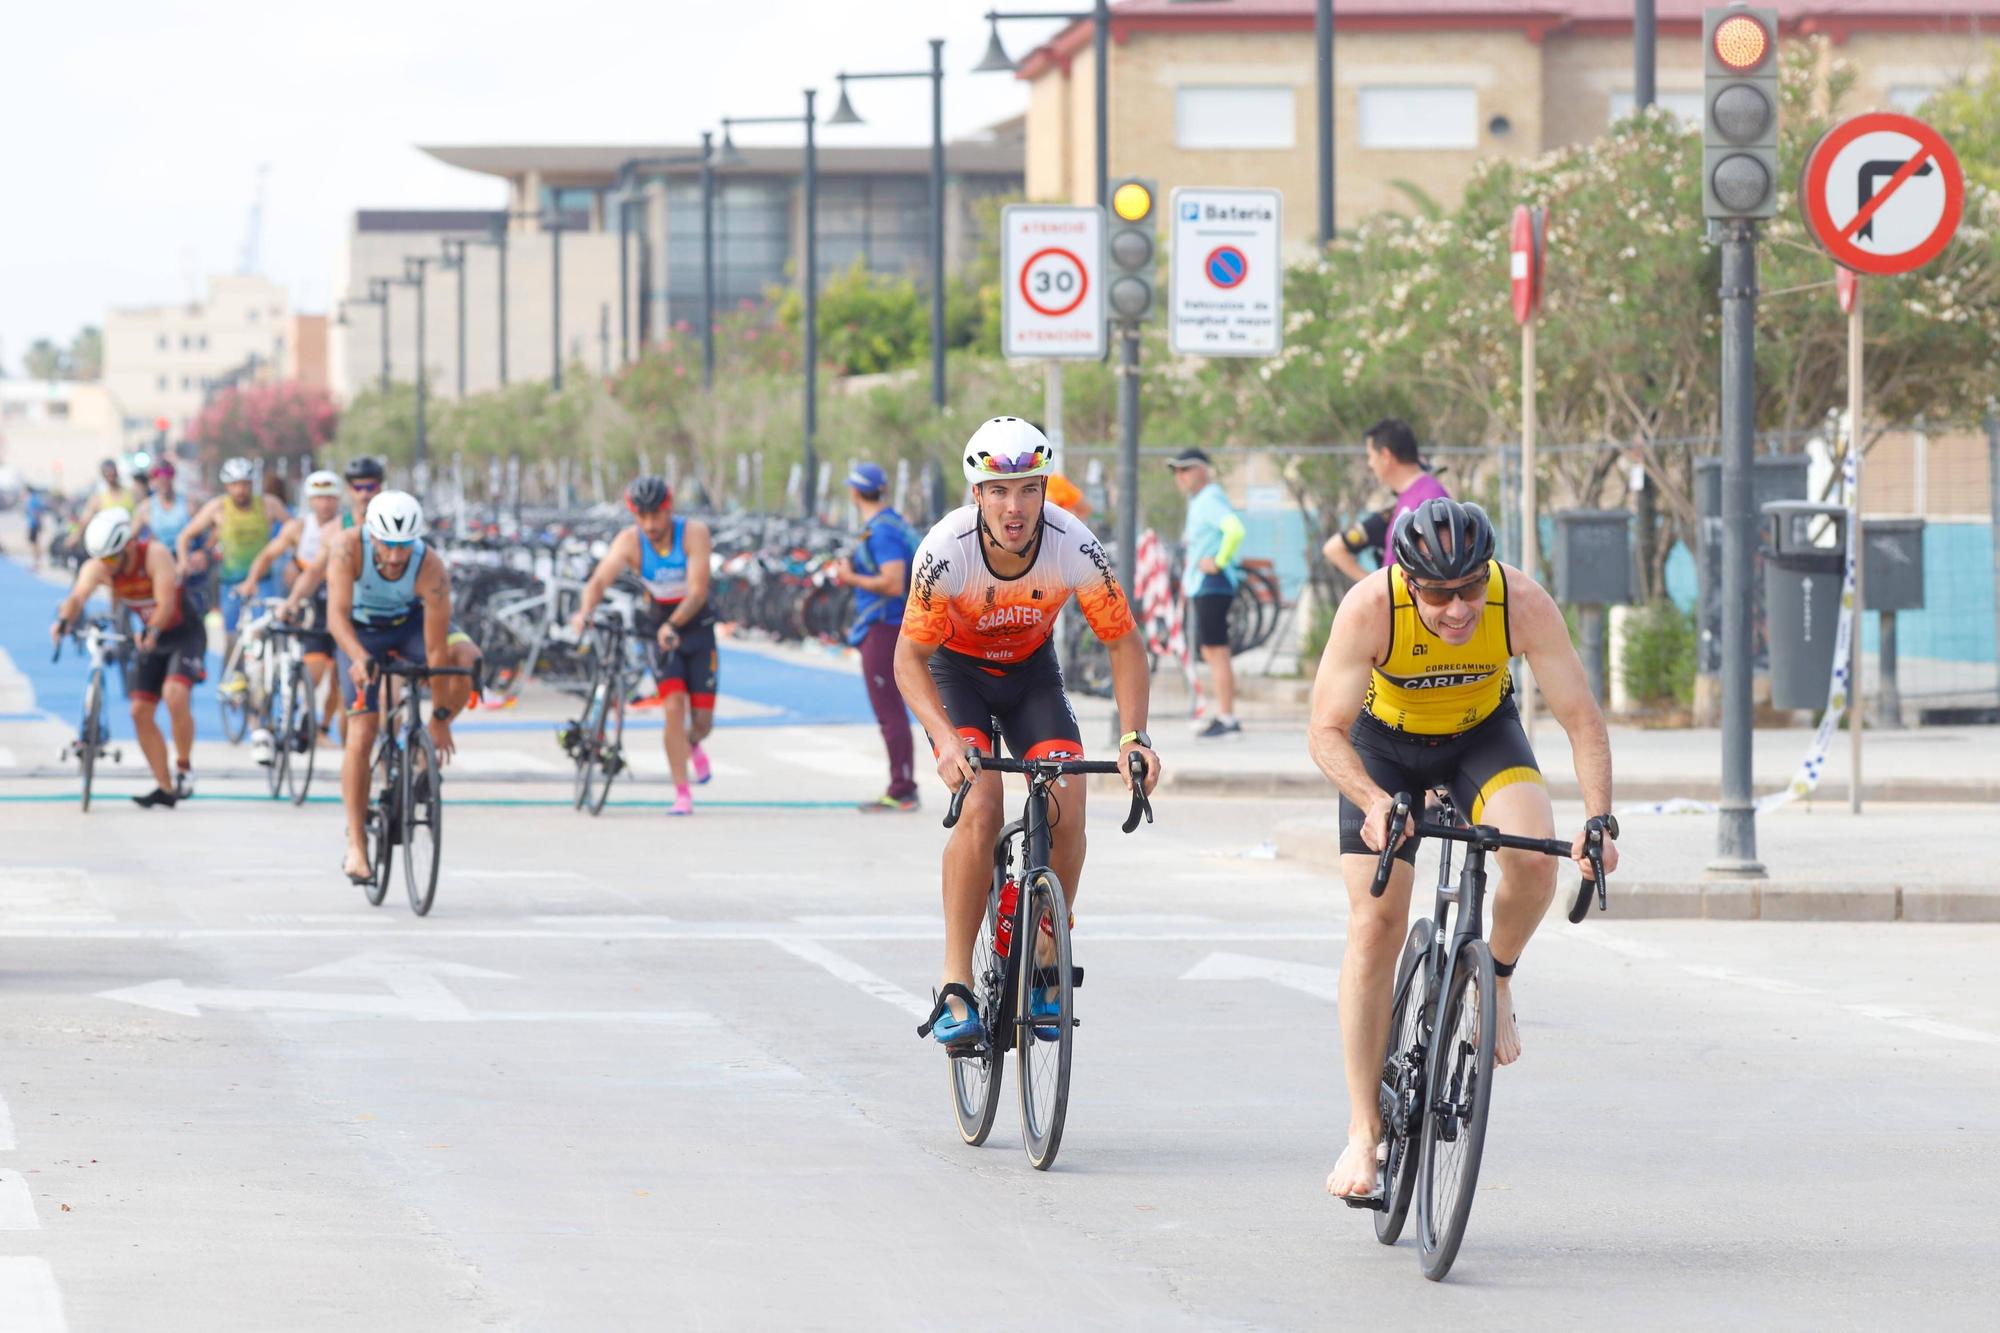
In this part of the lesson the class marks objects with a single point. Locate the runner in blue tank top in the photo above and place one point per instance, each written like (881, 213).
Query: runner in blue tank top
(671, 557)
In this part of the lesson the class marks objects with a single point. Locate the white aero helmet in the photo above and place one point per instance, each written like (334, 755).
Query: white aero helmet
(321, 483)
(236, 469)
(395, 517)
(1008, 449)
(109, 533)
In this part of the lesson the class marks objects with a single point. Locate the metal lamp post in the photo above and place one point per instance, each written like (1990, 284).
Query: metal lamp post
(413, 275)
(378, 296)
(498, 240)
(622, 191)
(809, 280)
(843, 114)
(996, 60)
(454, 258)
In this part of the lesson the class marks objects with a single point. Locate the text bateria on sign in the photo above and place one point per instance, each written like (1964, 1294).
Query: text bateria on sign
(1052, 288)
(1227, 297)
(1883, 193)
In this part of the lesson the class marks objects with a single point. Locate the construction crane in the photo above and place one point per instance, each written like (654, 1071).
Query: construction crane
(254, 232)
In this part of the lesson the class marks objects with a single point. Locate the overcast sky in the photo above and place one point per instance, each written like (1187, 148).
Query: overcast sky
(133, 129)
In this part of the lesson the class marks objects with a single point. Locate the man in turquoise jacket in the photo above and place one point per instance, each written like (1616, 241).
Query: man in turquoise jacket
(1212, 537)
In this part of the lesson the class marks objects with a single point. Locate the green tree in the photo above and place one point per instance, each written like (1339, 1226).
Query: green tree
(868, 322)
(86, 354)
(287, 420)
(44, 361)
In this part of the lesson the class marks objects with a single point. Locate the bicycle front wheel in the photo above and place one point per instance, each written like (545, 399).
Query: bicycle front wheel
(92, 733)
(975, 1078)
(1043, 1042)
(277, 725)
(383, 822)
(1401, 1089)
(234, 704)
(588, 728)
(301, 735)
(1460, 1091)
(423, 811)
(608, 740)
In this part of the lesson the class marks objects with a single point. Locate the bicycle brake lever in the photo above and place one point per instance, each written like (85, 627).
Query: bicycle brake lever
(1399, 814)
(1140, 803)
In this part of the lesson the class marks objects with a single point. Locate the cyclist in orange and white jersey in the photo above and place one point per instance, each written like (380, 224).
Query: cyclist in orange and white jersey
(976, 664)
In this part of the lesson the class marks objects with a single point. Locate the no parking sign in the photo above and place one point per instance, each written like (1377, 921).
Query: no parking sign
(1227, 296)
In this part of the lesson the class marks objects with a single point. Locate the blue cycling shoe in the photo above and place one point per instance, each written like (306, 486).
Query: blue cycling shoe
(1042, 1004)
(951, 1031)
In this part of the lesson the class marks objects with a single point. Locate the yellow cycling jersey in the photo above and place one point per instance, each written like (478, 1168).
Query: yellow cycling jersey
(1434, 688)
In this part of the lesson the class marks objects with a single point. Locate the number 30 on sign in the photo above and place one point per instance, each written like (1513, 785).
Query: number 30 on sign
(1051, 260)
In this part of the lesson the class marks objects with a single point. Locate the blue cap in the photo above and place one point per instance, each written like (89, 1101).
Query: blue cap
(868, 477)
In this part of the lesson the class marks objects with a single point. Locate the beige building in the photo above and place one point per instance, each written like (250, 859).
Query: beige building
(1222, 92)
(56, 433)
(160, 360)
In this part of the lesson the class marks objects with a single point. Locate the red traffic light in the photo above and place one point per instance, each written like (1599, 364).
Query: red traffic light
(160, 423)
(1741, 43)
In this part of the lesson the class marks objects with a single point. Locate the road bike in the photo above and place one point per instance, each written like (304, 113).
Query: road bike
(595, 741)
(105, 646)
(253, 664)
(1025, 904)
(1435, 1094)
(294, 715)
(405, 789)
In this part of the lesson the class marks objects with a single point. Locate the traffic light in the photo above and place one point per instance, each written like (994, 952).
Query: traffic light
(1134, 266)
(1739, 126)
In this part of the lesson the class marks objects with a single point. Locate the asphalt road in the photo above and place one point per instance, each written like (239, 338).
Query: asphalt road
(636, 1073)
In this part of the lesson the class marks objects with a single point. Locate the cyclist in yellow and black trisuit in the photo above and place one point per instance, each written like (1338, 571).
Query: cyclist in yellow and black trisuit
(1414, 691)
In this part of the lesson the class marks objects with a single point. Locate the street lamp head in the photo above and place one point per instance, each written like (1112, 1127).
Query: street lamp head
(728, 155)
(996, 60)
(843, 111)
(413, 267)
(340, 315)
(378, 290)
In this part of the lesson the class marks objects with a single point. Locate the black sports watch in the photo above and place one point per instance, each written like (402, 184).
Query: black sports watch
(1609, 823)
(1141, 738)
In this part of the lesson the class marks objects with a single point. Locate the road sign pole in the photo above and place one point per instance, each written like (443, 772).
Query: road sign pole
(1736, 828)
(1530, 543)
(1128, 476)
(1857, 546)
(1993, 503)
(1052, 405)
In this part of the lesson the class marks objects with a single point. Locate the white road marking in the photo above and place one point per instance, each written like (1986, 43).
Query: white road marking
(6, 1127)
(855, 975)
(835, 763)
(17, 1206)
(1767, 984)
(30, 1301)
(1930, 1027)
(50, 894)
(602, 919)
(512, 874)
(1322, 983)
(1099, 930)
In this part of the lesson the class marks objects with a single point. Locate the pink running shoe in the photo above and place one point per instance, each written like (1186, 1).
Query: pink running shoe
(683, 802)
(699, 763)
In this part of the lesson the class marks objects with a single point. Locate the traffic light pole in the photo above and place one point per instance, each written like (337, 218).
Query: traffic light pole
(1736, 829)
(1128, 476)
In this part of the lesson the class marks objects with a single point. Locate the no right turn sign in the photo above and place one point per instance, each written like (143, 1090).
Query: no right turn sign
(1883, 193)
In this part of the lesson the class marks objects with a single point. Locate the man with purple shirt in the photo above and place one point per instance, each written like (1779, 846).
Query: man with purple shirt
(1392, 457)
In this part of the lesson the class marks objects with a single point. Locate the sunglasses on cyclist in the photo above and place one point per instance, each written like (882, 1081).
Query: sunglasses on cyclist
(1444, 594)
(364, 487)
(1027, 462)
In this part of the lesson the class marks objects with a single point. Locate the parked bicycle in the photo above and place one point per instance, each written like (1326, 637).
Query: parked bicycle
(1025, 903)
(405, 789)
(1435, 1093)
(595, 741)
(105, 646)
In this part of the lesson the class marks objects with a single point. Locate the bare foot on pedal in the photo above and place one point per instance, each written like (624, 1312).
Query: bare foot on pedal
(1507, 1035)
(356, 866)
(1358, 1173)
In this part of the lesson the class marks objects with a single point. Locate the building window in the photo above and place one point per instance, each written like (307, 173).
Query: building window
(202, 342)
(883, 221)
(1688, 106)
(753, 244)
(163, 342)
(1907, 97)
(1440, 116)
(572, 204)
(163, 384)
(187, 383)
(1247, 116)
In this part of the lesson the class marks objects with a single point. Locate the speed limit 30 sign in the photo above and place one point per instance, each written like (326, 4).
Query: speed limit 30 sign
(1051, 269)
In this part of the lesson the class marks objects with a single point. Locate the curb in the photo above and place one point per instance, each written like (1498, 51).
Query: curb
(1311, 842)
(1298, 784)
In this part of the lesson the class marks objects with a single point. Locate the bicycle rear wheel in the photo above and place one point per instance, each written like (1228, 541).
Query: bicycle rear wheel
(381, 823)
(1044, 1061)
(277, 725)
(608, 739)
(588, 728)
(1401, 1090)
(301, 734)
(234, 704)
(1460, 1091)
(423, 816)
(92, 732)
(975, 1079)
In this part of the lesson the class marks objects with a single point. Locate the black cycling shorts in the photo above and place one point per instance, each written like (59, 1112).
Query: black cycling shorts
(398, 640)
(1473, 764)
(692, 668)
(1211, 619)
(182, 654)
(1024, 704)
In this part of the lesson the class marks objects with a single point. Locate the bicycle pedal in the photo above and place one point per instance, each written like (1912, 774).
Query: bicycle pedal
(1376, 1203)
(1046, 976)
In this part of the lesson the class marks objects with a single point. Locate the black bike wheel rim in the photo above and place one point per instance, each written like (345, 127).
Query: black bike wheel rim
(1401, 1089)
(610, 736)
(93, 706)
(975, 1079)
(423, 810)
(1044, 1064)
(235, 712)
(587, 728)
(1455, 1129)
(281, 746)
(304, 735)
(380, 831)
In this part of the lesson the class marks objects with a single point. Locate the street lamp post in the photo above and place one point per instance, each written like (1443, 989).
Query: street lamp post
(622, 191)
(497, 238)
(413, 275)
(810, 279)
(843, 114)
(707, 262)
(378, 295)
(454, 258)
(996, 60)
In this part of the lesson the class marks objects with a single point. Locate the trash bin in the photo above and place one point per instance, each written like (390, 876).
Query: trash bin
(1593, 557)
(1892, 564)
(1805, 554)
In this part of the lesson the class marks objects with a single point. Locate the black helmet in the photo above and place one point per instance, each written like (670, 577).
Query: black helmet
(365, 468)
(647, 494)
(1443, 541)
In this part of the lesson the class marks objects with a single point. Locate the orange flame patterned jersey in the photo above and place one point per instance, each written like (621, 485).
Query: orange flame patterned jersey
(958, 602)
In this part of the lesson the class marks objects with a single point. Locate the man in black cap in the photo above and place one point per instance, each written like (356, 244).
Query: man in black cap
(1211, 537)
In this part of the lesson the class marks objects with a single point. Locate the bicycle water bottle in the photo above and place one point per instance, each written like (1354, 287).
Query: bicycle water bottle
(1003, 929)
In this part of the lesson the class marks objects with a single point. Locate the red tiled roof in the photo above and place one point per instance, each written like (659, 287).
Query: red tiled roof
(1536, 17)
